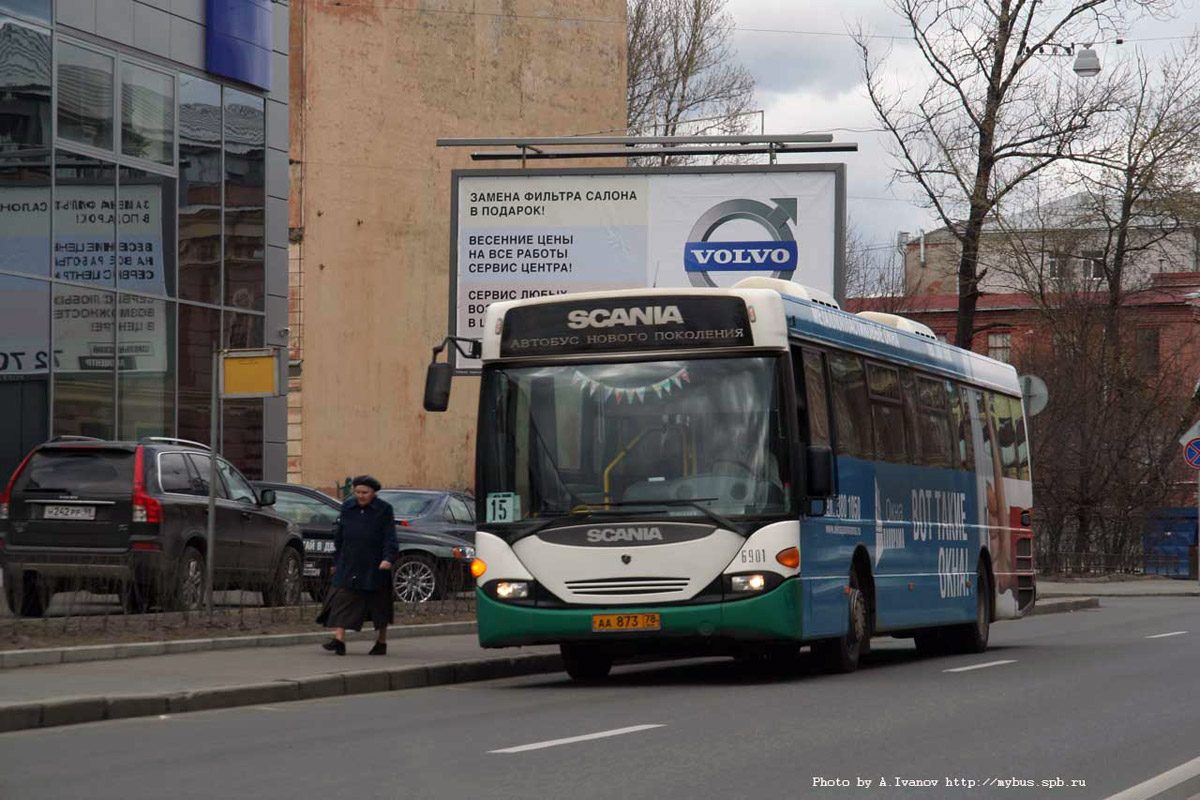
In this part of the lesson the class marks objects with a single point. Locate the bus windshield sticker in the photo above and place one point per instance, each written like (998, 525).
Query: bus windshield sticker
(503, 507)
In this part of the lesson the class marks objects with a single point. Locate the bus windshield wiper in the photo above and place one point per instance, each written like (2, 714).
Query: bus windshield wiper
(696, 503)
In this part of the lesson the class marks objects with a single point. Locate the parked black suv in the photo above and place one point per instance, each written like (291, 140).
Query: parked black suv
(131, 517)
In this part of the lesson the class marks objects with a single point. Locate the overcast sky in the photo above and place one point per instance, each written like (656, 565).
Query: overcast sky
(812, 83)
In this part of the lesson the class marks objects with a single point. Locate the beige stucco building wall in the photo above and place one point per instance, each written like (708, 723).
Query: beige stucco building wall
(374, 85)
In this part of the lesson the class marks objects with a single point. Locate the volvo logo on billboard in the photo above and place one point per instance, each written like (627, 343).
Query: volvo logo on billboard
(778, 254)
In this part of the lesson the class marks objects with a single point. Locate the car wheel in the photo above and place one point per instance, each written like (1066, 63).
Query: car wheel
(415, 580)
(285, 589)
(33, 598)
(187, 591)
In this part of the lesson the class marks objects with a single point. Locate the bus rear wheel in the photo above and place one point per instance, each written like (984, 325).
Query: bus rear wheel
(841, 655)
(585, 664)
(973, 637)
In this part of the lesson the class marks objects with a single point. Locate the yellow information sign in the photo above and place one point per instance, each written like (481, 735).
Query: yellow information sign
(249, 373)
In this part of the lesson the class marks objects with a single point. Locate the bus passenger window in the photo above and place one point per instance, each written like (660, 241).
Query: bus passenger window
(936, 444)
(960, 411)
(818, 404)
(851, 406)
(887, 413)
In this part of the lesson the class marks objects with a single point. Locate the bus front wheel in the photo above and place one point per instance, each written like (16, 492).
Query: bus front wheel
(585, 664)
(841, 655)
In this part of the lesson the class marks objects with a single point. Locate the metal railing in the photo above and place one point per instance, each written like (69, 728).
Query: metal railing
(1098, 564)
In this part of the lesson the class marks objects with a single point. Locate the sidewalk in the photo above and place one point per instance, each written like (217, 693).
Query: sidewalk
(64, 694)
(1148, 587)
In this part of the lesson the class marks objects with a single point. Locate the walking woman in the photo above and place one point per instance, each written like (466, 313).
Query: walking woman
(364, 549)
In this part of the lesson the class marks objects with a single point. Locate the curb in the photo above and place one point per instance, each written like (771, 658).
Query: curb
(10, 659)
(76, 710)
(1059, 605)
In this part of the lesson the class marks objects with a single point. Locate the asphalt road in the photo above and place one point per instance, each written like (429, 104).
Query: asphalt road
(1082, 697)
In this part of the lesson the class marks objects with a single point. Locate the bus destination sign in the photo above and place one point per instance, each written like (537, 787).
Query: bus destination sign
(663, 322)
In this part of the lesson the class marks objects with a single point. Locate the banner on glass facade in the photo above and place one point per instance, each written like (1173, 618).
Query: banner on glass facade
(520, 234)
(84, 252)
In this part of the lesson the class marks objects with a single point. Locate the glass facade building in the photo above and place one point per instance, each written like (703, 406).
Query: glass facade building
(133, 238)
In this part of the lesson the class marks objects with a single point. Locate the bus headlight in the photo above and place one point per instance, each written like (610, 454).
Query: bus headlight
(512, 590)
(747, 583)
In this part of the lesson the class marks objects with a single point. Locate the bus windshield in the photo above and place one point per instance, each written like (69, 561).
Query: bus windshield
(572, 437)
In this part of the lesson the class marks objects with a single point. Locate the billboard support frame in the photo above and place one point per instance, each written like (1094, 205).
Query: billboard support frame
(839, 227)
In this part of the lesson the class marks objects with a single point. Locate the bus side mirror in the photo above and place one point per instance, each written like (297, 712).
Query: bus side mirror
(819, 472)
(437, 386)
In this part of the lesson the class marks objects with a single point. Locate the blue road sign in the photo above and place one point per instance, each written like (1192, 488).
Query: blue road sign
(1191, 453)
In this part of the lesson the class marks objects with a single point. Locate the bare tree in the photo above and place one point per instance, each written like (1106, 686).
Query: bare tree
(875, 271)
(992, 114)
(683, 77)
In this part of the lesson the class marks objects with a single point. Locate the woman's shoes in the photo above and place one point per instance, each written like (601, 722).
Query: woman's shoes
(380, 649)
(335, 646)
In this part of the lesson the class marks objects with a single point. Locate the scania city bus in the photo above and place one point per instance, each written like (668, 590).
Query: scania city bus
(741, 471)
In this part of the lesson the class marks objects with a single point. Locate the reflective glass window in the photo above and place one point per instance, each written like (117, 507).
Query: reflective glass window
(34, 9)
(199, 335)
(239, 490)
(146, 232)
(84, 229)
(242, 420)
(25, 124)
(887, 413)
(85, 96)
(25, 214)
(851, 406)
(202, 465)
(815, 394)
(245, 200)
(173, 474)
(145, 366)
(25, 72)
(24, 368)
(147, 113)
(84, 373)
(200, 178)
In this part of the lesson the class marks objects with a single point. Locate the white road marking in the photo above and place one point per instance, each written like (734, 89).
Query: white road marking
(1160, 783)
(269, 708)
(164, 716)
(1165, 635)
(981, 666)
(572, 739)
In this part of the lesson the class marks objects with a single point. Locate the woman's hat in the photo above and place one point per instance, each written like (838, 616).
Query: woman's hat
(368, 481)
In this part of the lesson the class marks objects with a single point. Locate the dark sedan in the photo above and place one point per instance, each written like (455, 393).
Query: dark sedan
(433, 562)
(434, 511)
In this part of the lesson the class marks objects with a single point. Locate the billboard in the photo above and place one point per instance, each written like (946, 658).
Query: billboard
(530, 233)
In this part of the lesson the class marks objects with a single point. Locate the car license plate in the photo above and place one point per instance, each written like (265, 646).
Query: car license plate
(605, 623)
(69, 512)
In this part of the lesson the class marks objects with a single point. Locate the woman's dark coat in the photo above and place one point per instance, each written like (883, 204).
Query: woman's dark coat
(363, 537)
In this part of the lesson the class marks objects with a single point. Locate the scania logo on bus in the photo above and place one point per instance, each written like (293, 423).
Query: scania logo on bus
(779, 254)
(630, 534)
(639, 534)
(608, 318)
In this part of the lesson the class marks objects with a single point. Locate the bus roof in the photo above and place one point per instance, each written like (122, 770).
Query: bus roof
(819, 323)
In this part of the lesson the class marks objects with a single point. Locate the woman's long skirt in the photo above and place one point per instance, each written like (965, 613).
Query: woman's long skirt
(350, 608)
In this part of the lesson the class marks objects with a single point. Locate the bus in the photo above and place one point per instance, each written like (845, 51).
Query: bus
(743, 472)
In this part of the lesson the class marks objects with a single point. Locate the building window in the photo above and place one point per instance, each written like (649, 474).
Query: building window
(147, 114)
(25, 76)
(1146, 350)
(146, 232)
(145, 366)
(1058, 265)
(1094, 264)
(24, 368)
(999, 346)
(32, 9)
(245, 200)
(85, 96)
(200, 181)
